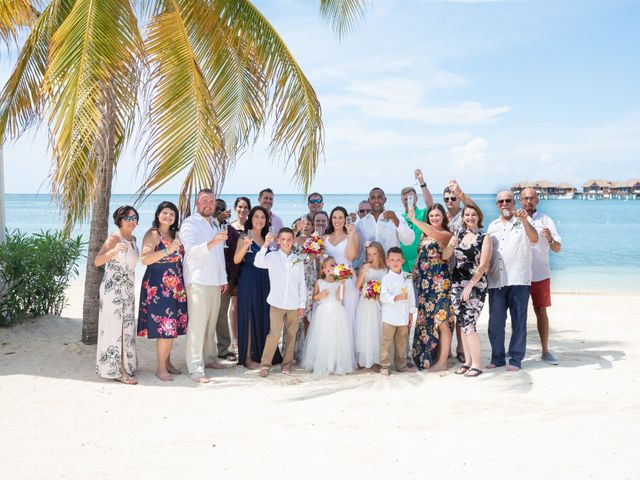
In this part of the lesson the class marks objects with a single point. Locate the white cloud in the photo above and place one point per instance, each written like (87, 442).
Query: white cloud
(472, 156)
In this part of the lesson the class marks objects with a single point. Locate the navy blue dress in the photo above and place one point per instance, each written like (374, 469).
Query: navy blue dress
(253, 309)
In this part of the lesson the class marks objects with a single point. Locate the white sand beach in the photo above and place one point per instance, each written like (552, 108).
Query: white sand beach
(577, 420)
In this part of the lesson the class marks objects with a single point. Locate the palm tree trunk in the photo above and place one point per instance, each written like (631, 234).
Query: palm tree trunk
(105, 156)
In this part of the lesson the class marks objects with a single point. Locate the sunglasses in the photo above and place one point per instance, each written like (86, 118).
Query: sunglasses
(450, 199)
(130, 218)
(364, 210)
(315, 200)
(221, 208)
(505, 200)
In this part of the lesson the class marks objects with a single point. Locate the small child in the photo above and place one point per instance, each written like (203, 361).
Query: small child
(329, 347)
(398, 307)
(368, 316)
(287, 297)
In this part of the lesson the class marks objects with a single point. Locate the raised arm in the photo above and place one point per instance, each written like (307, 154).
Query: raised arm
(111, 247)
(426, 194)
(441, 236)
(353, 243)
(529, 229)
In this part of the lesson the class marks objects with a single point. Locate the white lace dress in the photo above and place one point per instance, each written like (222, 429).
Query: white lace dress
(369, 324)
(116, 318)
(329, 347)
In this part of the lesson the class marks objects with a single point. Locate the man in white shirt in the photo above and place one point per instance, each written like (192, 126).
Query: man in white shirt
(398, 303)
(541, 272)
(512, 236)
(287, 298)
(205, 278)
(381, 225)
(265, 199)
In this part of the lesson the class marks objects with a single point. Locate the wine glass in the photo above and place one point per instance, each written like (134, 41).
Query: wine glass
(410, 201)
(272, 245)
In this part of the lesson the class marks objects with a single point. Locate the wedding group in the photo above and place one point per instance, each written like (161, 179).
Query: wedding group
(334, 292)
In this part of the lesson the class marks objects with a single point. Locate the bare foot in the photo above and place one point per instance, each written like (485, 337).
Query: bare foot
(286, 370)
(215, 365)
(164, 376)
(490, 366)
(201, 379)
(173, 370)
(251, 365)
(512, 368)
(384, 371)
(126, 379)
(264, 372)
(438, 368)
(375, 367)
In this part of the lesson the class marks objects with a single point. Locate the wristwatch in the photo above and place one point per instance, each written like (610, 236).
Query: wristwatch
(423, 185)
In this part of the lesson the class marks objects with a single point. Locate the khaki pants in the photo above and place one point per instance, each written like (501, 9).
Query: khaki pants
(203, 302)
(396, 336)
(277, 318)
(222, 326)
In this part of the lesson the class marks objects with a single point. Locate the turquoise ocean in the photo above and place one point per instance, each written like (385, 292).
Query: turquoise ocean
(600, 250)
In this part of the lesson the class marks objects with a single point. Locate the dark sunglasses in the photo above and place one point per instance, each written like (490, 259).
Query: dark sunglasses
(505, 200)
(364, 210)
(130, 218)
(221, 208)
(450, 199)
(315, 200)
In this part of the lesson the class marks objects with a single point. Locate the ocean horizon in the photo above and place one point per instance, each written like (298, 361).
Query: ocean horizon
(597, 236)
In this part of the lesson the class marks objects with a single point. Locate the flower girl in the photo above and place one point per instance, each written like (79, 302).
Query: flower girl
(328, 348)
(368, 316)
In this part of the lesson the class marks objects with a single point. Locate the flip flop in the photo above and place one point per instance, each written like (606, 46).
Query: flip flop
(473, 372)
(462, 370)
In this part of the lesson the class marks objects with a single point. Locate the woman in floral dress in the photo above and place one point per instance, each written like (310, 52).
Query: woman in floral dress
(116, 353)
(304, 228)
(472, 253)
(163, 300)
(431, 276)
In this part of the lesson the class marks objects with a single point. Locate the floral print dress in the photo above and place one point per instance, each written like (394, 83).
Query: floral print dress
(116, 318)
(163, 299)
(433, 284)
(310, 277)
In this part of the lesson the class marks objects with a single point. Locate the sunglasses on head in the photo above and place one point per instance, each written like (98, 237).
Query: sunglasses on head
(364, 210)
(130, 218)
(450, 199)
(315, 200)
(505, 200)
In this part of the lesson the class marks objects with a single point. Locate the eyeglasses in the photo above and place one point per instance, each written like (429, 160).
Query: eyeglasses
(364, 210)
(130, 218)
(524, 199)
(315, 200)
(450, 199)
(221, 208)
(505, 200)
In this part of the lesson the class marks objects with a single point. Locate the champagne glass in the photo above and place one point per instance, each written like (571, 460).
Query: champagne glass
(250, 234)
(225, 228)
(410, 201)
(272, 245)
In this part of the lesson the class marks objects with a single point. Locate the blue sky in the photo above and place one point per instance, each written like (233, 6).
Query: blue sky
(487, 92)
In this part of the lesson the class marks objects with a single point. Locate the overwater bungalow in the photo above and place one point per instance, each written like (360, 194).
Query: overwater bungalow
(546, 189)
(596, 189)
(626, 190)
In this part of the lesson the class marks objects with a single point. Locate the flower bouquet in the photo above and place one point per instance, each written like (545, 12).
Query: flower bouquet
(371, 290)
(342, 272)
(313, 245)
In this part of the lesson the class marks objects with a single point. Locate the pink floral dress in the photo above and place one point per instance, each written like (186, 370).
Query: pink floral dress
(163, 299)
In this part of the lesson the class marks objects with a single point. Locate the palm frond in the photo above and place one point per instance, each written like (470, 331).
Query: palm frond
(21, 102)
(343, 15)
(14, 16)
(91, 86)
(184, 133)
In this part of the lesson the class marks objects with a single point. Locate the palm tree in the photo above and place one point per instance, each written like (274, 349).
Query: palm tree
(207, 75)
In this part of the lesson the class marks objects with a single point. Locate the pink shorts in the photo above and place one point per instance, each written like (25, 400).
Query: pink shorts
(541, 293)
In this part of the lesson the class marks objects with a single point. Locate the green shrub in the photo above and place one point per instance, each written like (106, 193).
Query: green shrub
(35, 271)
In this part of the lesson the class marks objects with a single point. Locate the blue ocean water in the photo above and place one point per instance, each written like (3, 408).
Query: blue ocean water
(599, 238)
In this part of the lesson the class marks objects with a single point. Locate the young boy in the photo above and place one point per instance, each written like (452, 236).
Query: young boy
(398, 307)
(287, 297)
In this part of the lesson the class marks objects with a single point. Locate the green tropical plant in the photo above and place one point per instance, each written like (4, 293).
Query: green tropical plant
(208, 75)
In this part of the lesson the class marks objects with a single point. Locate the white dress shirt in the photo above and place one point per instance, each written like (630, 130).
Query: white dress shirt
(201, 265)
(540, 252)
(511, 259)
(397, 313)
(286, 277)
(383, 231)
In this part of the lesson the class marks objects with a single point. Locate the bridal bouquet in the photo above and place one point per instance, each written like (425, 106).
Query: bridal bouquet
(313, 245)
(342, 272)
(371, 289)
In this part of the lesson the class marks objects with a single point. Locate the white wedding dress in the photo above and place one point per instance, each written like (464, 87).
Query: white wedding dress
(329, 346)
